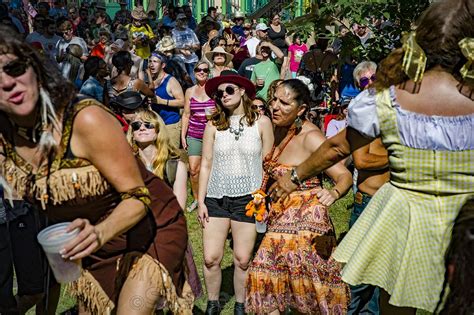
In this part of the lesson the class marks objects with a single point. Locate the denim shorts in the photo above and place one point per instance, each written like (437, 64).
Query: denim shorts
(229, 207)
(194, 146)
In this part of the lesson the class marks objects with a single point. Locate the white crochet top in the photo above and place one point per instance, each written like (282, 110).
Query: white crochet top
(237, 168)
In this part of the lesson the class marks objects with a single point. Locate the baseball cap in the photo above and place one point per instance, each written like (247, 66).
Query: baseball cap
(261, 27)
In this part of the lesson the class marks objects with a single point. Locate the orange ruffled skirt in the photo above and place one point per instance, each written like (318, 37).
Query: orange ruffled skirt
(293, 266)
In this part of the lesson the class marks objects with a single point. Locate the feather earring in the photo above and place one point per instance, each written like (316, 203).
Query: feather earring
(48, 117)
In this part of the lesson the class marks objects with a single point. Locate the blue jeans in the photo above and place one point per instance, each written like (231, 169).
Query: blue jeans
(364, 297)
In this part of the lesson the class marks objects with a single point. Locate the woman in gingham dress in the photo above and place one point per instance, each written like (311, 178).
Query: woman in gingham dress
(426, 123)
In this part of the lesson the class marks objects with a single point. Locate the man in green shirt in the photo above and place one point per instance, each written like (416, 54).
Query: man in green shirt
(266, 71)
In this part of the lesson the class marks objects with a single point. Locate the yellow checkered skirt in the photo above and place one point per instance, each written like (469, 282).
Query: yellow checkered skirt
(400, 239)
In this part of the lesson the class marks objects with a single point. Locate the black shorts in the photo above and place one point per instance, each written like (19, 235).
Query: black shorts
(229, 207)
(20, 250)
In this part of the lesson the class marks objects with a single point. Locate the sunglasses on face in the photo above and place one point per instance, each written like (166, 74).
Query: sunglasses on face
(205, 70)
(364, 81)
(136, 125)
(15, 68)
(229, 90)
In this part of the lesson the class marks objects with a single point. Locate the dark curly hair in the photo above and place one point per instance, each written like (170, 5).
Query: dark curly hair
(61, 91)
(122, 60)
(438, 33)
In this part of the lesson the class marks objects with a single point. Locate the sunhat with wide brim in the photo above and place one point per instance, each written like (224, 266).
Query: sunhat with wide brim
(239, 15)
(228, 76)
(139, 13)
(220, 50)
(165, 44)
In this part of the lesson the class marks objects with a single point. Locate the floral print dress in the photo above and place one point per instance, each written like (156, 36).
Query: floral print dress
(293, 266)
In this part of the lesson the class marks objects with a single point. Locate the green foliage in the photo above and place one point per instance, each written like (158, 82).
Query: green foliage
(325, 16)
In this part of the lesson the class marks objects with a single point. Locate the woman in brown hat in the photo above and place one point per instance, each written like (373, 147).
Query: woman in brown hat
(220, 60)
(235, 140)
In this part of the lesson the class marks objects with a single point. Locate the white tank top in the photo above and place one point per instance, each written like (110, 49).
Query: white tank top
(237, 168)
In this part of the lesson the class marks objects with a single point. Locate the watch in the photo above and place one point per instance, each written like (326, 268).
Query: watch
(294, 177)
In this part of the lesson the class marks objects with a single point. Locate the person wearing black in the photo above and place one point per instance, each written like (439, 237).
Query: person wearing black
(20, 222)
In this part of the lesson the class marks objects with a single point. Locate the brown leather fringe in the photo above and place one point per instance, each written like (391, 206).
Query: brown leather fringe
(146, 268)
(69, 184)
(89, 292)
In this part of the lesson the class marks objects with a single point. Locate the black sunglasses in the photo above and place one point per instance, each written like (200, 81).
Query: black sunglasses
(230, 90)
(205, 70)
(364, 81)
(16, 67)
(136, 125)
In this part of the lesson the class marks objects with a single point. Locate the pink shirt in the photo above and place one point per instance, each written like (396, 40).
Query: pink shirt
(297, 52)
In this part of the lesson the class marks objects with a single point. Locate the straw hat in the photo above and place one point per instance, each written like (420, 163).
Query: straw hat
(228, 76)
(165, 44)
(75, 50)
(218, 49)
(239, 15)
(139, 13)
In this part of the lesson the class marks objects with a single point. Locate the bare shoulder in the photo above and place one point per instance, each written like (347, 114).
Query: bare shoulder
(91, 117)
(264, 121)
(312, 137)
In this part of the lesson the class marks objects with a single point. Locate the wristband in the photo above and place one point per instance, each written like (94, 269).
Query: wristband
(167, 102)
(294, 177)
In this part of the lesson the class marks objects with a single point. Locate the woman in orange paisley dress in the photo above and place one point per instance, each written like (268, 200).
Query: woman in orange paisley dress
(293, 266)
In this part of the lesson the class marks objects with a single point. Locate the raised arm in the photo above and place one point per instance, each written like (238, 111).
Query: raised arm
(328, 154)
(364, 160)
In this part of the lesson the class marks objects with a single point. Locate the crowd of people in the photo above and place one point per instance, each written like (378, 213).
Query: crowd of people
(104, 122)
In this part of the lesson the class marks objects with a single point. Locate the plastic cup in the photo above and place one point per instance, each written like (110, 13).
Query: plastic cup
(209, 111)
(53, 239)
(261, 227)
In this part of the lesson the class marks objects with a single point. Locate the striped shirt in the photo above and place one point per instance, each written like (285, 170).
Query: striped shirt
(197, 121)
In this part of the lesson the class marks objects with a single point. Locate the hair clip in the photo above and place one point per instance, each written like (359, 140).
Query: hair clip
(467, 49)
(414, 59)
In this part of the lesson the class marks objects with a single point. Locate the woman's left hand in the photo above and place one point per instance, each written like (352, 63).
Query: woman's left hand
(85, 243)
(327, 197)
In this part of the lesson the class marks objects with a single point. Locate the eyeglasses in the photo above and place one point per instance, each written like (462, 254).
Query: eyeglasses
(205, 70)
(16, 68)
(233, 45)
(364, 81)
(136, 125)
(229, 90)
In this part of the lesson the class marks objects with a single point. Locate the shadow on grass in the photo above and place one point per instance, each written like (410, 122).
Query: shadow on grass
(227, 286)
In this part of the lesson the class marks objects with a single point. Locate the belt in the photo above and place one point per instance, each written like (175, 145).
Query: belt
(359, 197)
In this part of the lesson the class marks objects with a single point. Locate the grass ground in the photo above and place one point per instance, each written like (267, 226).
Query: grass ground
(339, 213)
